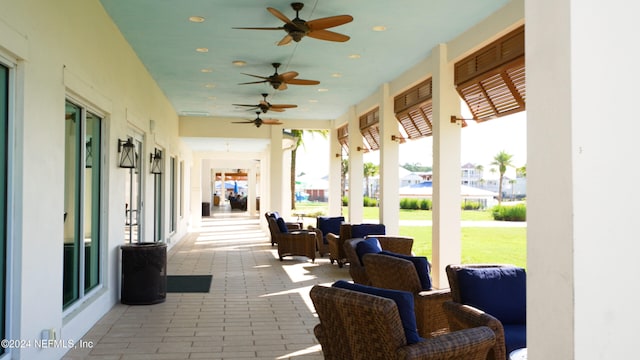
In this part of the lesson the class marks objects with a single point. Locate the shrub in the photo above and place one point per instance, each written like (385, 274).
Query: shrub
(425, 204)
(471, 205)
(345, 201)
(510, 213)
(369, 202)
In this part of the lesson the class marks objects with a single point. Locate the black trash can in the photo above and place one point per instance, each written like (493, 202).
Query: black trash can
(144, 273)
(206, 209)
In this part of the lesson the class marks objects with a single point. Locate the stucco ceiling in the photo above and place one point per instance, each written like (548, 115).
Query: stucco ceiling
(206, 84)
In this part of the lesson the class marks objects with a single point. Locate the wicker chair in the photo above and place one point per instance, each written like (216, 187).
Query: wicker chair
(326, 225)
(293, 243)
(461, 316)
(356, 326)
(396, 244)
(290, 225)
(336, 242)
(390, 272)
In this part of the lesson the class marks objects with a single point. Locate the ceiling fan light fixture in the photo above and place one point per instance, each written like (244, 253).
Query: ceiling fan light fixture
(196, 19)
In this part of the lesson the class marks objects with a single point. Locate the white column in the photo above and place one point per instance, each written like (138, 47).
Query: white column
(251, 190)
(196, 192)
(389, 164)
(335, 171)
(276, 195)
(446, 168)
(356, 163)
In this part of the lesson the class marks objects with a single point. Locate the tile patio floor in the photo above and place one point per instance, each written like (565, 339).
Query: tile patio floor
(257, 308)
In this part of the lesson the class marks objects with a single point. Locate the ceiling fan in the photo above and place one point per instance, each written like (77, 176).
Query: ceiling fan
(297, 28)
(280, 81)
(258, 121)
(265, 106)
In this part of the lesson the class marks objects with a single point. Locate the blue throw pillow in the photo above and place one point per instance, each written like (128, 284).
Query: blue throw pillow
(404, 302)
(329, 225)
(282, 225)
(367, 246)
(499, 291)
(362, 230)
(423, 268)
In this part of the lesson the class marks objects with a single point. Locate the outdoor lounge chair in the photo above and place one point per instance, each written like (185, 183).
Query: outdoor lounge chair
(289, 224)
(490, 295)
(392, 243)
(347, 232)
(390, 272)
(360, 326)
(292, 242)
(326, 225)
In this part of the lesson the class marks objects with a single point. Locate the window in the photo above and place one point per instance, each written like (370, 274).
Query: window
(4, 136)
(133, 199)
(83, 133)
(157, 203)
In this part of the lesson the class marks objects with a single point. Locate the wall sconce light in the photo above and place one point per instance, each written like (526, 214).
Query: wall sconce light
(127, 152)
(156, 162)
(455, 120)
(397, 138)
(363, 149)
(88, 154)
(337, 155)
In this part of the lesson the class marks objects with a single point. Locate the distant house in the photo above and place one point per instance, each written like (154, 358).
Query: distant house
(425, 190)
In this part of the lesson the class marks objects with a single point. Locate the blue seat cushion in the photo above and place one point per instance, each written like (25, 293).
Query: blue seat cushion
(499, 291)
(403, 300)
(422, 265)
(328, 224)
(515, 337)
(282, 225)
(367, 246)
(362, 230)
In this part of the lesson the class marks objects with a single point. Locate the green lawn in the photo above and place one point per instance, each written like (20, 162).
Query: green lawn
(479, 244)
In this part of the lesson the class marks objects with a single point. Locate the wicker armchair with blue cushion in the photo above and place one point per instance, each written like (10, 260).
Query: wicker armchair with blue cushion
(489, 295)
(411, 273)
(289, 224)
(347, 232)
(292, 242)
(355, 248)
(326, 225)
(362, 323)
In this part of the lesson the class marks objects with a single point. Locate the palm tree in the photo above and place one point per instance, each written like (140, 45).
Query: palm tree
(502, 160)
(299, 142)
(370, 169)
(344, 170)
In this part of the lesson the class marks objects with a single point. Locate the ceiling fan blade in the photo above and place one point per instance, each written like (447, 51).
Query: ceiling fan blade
(259, 28)
(276, 109)
(242, 122)
(283, 106)
(272, 122)
(279, 15)
(328, 35)
(283, 86)
(253, 106)
(288, 75)
(285, 40)
(257, 76)
(253, 82)
(329, 22)
(303, 82)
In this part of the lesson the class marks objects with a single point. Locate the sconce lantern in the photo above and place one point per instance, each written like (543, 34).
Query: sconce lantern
(156, 162)
(127, 154)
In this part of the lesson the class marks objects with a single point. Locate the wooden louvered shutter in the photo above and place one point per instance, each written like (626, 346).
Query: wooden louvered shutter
(413, 109)
(343, 137)
(369, 127)
(492, 80)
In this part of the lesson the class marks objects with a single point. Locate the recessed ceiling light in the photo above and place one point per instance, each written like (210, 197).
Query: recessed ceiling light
(210, 86)
(313, 101)
(239, 62)
(202, 50)
(323, 90)
(354, 56)
(207, 70)
(196, 19)
(336, 75)
(379, 28)
(211, 98)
